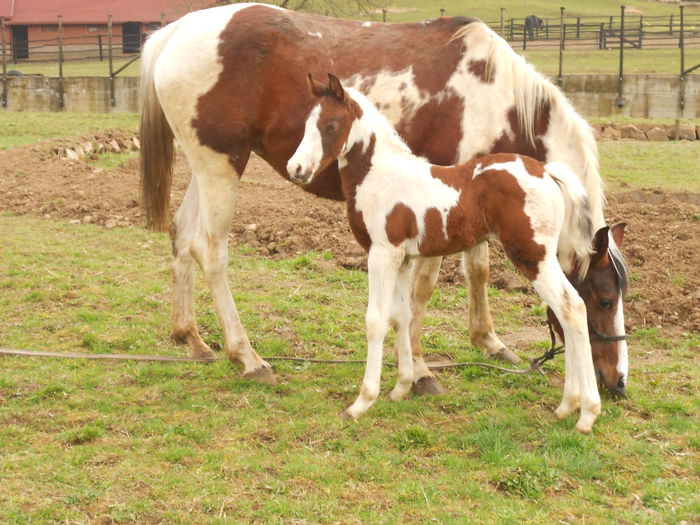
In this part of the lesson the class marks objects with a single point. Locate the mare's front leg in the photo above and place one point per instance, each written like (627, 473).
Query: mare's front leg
(382, 267)
(423, 278)
(475, 262)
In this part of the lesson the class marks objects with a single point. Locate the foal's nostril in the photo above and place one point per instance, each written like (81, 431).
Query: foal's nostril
(620, 389)
(297, 172)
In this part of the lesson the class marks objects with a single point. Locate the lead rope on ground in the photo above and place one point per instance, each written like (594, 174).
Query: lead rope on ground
(535, 362)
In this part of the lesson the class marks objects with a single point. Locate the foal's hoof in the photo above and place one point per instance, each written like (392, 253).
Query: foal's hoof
(203, 353)
(427, 386)
(504, 354)
(263, 375)
(348, 415)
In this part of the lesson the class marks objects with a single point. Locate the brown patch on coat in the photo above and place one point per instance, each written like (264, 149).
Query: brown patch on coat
(435, 130)
(260, 100)
(516, 140)
(478, 69)
(359, 164)
(401, 224)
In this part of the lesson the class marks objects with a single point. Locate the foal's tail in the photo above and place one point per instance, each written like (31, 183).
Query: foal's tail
(577, 232)
(157, 145)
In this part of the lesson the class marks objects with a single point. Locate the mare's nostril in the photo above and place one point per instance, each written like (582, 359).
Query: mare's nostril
(298, 170)
(621, 383)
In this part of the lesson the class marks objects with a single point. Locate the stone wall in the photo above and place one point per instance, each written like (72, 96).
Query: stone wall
(592, 95)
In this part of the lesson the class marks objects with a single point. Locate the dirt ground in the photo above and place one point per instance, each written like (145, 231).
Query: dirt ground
(280, 220)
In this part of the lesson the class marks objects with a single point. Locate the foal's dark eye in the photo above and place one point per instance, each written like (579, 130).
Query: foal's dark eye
(605, 303)
(330, 128)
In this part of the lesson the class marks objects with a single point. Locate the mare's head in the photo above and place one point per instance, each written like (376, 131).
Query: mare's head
(603, 289)
(326, 131)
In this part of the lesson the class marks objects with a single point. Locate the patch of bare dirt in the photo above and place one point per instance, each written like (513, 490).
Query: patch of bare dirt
(280, 220)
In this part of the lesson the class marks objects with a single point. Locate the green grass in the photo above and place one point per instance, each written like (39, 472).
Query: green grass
(670, 165)
(17, 128)
(411, 10)
(578, 61)
(78, 68)
(187, 443)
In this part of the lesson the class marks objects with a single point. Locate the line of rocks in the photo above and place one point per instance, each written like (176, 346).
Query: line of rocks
(97, 146)
(656, 133)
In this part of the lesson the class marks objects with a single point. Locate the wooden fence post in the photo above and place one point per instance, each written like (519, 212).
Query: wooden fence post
(4, 63)
(562, 31)
(578, 28)
(111, 64)
(99, 46)
(442, 11)
(620, 100)
(503, 12)
(61, 87)
(641, 30)
(162, 20)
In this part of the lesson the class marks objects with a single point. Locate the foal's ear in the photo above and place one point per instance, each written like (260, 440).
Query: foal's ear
(618, 233)
(335, 87)
(316, 87)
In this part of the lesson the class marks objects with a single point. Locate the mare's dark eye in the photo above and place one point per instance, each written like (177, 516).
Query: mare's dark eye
(605, 303)
(330, 128)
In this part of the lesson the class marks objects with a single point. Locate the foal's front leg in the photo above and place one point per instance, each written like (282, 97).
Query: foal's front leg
(382, 267)
(401, 314)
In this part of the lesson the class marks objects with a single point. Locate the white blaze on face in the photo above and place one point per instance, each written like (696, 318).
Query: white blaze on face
(622, 357)
(307, 158)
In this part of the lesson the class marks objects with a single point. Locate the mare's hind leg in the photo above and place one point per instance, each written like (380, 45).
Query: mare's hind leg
(184, 322)
(580, 387)
(475, 262)
(216, 185)
(423, 277)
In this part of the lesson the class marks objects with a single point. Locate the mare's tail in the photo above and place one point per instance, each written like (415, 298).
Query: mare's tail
(577, 233)
(157, 139)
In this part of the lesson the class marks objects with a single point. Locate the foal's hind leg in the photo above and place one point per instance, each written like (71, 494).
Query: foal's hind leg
(423, 278)
(185, 225)
(475, 262)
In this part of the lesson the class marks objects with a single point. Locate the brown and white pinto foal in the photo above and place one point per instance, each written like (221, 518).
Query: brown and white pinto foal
(400, 207)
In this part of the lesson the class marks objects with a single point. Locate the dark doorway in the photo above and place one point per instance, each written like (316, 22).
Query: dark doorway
(20, 42)
(131, 37)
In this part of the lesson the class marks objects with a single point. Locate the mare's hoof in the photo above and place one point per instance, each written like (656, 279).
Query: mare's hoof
(263, 375)
(504, 354)
(427, 386)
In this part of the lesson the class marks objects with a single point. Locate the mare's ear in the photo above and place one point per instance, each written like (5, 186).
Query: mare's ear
(600, 245)
(316, 87)
(335, 87)
(618, 233)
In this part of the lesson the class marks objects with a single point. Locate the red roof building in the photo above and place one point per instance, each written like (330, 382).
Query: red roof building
(32, 22)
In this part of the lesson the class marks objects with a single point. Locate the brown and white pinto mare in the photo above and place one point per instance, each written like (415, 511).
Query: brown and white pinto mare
(226, 81)
(401, 207)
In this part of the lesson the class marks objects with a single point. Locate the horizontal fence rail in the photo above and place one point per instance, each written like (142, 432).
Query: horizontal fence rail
(565, 33)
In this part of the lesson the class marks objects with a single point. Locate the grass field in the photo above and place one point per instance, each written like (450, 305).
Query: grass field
(86, 441)
(185, 443)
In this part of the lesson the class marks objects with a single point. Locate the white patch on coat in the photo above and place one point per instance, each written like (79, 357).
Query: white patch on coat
(367, 24)
(395, 93)
(622, 355)
(396, 177)
(309, 153)
(317, 34)
(544, 204)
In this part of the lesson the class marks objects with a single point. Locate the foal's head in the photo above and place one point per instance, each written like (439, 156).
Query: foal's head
(326, 132)
(603, 289)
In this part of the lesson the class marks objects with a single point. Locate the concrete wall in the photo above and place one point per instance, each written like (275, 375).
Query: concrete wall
(85, 94)
(644, 95)
(593, 95)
